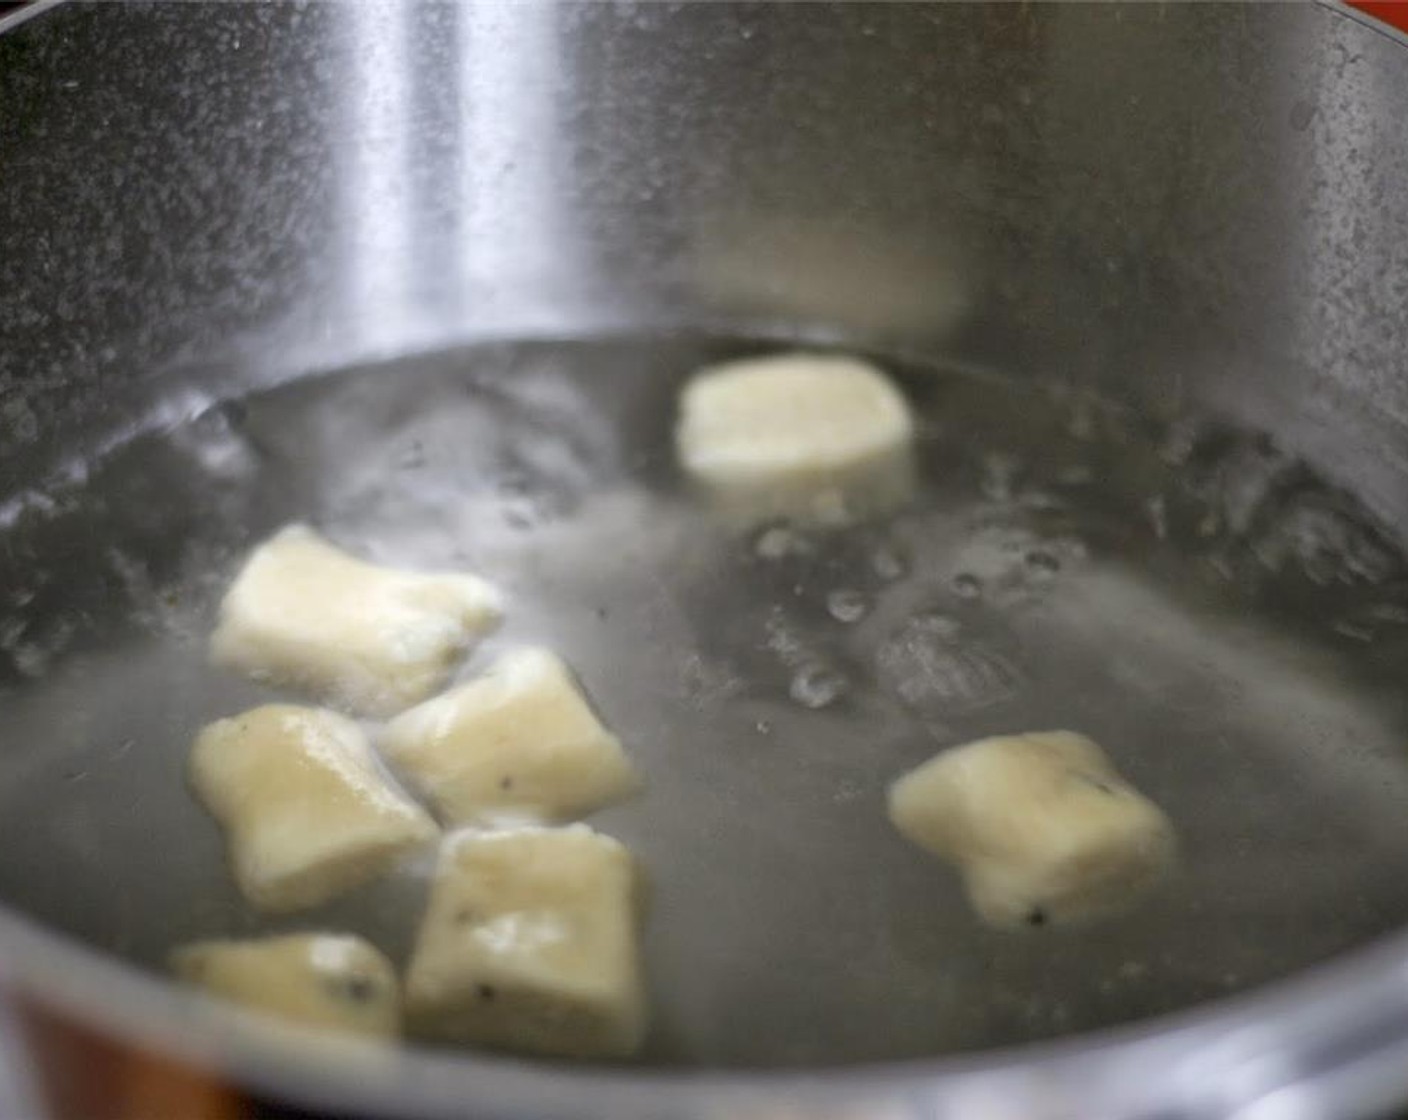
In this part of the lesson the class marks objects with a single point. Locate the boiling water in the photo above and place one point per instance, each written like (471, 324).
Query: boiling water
(1231, 629)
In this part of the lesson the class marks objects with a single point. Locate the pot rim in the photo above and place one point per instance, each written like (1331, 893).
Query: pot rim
(1214, 1059)
(1287, 1040)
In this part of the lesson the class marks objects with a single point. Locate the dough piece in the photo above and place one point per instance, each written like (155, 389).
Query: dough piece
(820, 439)
(1041, 826)
(375, 640)
(530, 944)
(519, 744)
(315, 979)
(307, 815)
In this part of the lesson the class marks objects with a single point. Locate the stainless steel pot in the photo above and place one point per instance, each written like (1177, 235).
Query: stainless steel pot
(1170, 207)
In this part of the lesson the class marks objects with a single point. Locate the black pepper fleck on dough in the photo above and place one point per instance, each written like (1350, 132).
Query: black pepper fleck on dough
(356, 989)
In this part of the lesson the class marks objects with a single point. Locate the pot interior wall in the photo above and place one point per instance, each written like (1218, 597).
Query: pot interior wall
(1176, 219)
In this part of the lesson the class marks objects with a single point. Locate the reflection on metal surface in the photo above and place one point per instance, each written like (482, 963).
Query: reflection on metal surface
(516, 231)
(373, 182)
(452, 198)
(13, 14)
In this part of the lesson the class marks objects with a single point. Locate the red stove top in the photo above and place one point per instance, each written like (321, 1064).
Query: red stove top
(1392, 12)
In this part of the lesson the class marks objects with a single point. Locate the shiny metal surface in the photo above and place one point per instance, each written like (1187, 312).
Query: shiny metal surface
(1201, 207)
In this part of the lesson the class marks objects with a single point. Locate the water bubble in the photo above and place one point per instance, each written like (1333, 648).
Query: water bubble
(133, 576)
(781, 640)
(966, 585)
(1042, 565)
(705, 684)
(1180, 441)
(1328, 544)
(1041, 501)
(848, 790)
(1157, 508)
(763, 727)
(1246, 481)
(1355, 631)
(12, 631)
(999, 475)
(780, 541)
(846, 604)
(937, 623)
(22, 423)
(888, 564)
(32, 646)
(29, 658)
(816, 686)
(1392, 613)
(216, 440)
(1223, 567)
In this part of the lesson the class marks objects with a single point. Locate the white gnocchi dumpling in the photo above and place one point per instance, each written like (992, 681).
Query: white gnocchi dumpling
(1041, 827)
(817, 438)
(374, 640)
(520, 744)
(306, 812)
(530, 944)
(331, 981)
